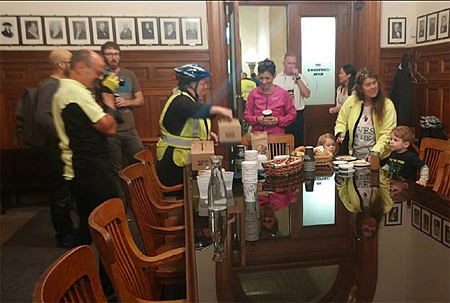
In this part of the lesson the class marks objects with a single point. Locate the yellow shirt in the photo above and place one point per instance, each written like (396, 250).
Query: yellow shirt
(246, 86)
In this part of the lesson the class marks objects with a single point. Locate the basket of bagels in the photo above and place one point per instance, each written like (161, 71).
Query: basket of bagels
(282, 166)
(321, 156)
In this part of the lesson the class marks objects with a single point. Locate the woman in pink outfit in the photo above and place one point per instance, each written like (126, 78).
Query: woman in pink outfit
(269, 96)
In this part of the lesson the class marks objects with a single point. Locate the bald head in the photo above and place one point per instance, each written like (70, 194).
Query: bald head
(86, 66)
(59, 55)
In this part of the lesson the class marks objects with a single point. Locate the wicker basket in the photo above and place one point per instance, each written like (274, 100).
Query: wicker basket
(323, 160)
(289, 169)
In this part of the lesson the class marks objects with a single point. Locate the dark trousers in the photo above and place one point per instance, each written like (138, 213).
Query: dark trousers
(89, 193)
(296, 129)
(168, 172)
(61, 203)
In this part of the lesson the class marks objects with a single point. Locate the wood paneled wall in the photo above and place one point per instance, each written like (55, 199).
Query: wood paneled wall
(154, 70)
(431, 98)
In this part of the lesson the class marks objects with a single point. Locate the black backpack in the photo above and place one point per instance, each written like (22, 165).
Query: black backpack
(25, 124)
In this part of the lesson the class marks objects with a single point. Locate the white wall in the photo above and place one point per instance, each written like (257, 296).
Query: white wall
(411, 10)
(110, 9)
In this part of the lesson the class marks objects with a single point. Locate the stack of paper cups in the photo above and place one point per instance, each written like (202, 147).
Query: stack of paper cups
(251, 222)
(250, 171)
(251, 155)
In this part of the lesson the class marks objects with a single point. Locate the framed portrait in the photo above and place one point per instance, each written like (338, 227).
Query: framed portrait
(426, 221)
(148, 31)
(31, 30)
(102, 30)
(416, 216)
(421, 34)
(443, 24)
(446, 233)
(55, 30)
(125, 31)
(394, 217)
(79, 31)
(192, 31)
(436, 227)
(9, 31)
(170, 31)
(397, 30)
(432, 23)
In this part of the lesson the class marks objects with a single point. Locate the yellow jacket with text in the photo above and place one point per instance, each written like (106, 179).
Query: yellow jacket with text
(350, 114)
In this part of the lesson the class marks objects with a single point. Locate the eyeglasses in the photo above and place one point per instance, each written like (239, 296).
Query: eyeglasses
(100, 72)
(112, 54)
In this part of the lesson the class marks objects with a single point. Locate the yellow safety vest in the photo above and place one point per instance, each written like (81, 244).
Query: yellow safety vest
(193, 130)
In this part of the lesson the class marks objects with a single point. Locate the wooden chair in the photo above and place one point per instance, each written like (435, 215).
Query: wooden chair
(430, 150)
(442, 184)
(280, 144)
(72, 277)
(130, 271)
(150, 211)
(146, 157)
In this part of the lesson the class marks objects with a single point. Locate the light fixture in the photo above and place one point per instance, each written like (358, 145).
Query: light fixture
(251, 57)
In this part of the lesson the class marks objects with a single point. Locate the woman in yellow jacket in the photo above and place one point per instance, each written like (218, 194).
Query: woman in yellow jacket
(368, 116)
(184, 119)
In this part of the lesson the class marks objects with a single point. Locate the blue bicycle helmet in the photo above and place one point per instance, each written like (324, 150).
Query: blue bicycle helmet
(191, 72)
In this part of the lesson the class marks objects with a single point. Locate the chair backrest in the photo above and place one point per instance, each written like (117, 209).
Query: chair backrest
(73, 277)
(119, 253)
(442, 184)
(143, 200)
(280, 144)
(146, 157)
(430, 150)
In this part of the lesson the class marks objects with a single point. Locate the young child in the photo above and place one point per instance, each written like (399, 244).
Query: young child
(402, 161)
(328, 142)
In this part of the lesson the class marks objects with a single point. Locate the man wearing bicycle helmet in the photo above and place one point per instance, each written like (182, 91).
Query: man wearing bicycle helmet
(184, 119)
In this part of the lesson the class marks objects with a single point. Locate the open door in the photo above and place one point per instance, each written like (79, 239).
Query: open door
(234, 57)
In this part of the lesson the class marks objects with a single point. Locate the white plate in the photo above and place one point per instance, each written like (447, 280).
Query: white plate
(346, 172)
(346, 158)
(361, 164)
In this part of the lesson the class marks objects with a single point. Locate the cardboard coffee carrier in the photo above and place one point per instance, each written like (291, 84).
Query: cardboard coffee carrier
(200, 153)
(229, 131)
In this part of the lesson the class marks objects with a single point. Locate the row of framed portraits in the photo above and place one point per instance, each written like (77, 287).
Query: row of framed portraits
(54, 30)
(430, 27)
(431, 224)
(433, 26)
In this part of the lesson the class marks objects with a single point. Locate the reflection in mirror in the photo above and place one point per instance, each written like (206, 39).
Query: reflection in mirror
(319, 204)
(318, 41)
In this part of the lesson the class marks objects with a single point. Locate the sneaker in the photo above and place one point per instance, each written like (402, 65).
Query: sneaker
(67, 241)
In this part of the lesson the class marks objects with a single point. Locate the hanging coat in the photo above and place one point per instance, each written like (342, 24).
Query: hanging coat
(402, 91)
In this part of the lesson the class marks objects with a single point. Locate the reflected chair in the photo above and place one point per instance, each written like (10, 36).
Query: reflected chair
(278, 144)
(442, 184)
(72, 278)
(146, 157)
(131, 272)
(430, 150)
(151, 213)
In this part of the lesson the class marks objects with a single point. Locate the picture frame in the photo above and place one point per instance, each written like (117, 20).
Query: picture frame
(125, 30)
(31, 30)
(79, 30)
(102, 30)
(394, 217)
(191, 29)
(432, 23)
(55, 30)
(421, 34)
(436, 227)
(443, 24)
(148, 33)
(446, 233)
(170, 31)
(426, 222)
(416, 216)
(9, 31)
(397, 30)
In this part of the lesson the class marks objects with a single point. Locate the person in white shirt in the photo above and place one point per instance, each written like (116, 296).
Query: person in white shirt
(296, 84)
